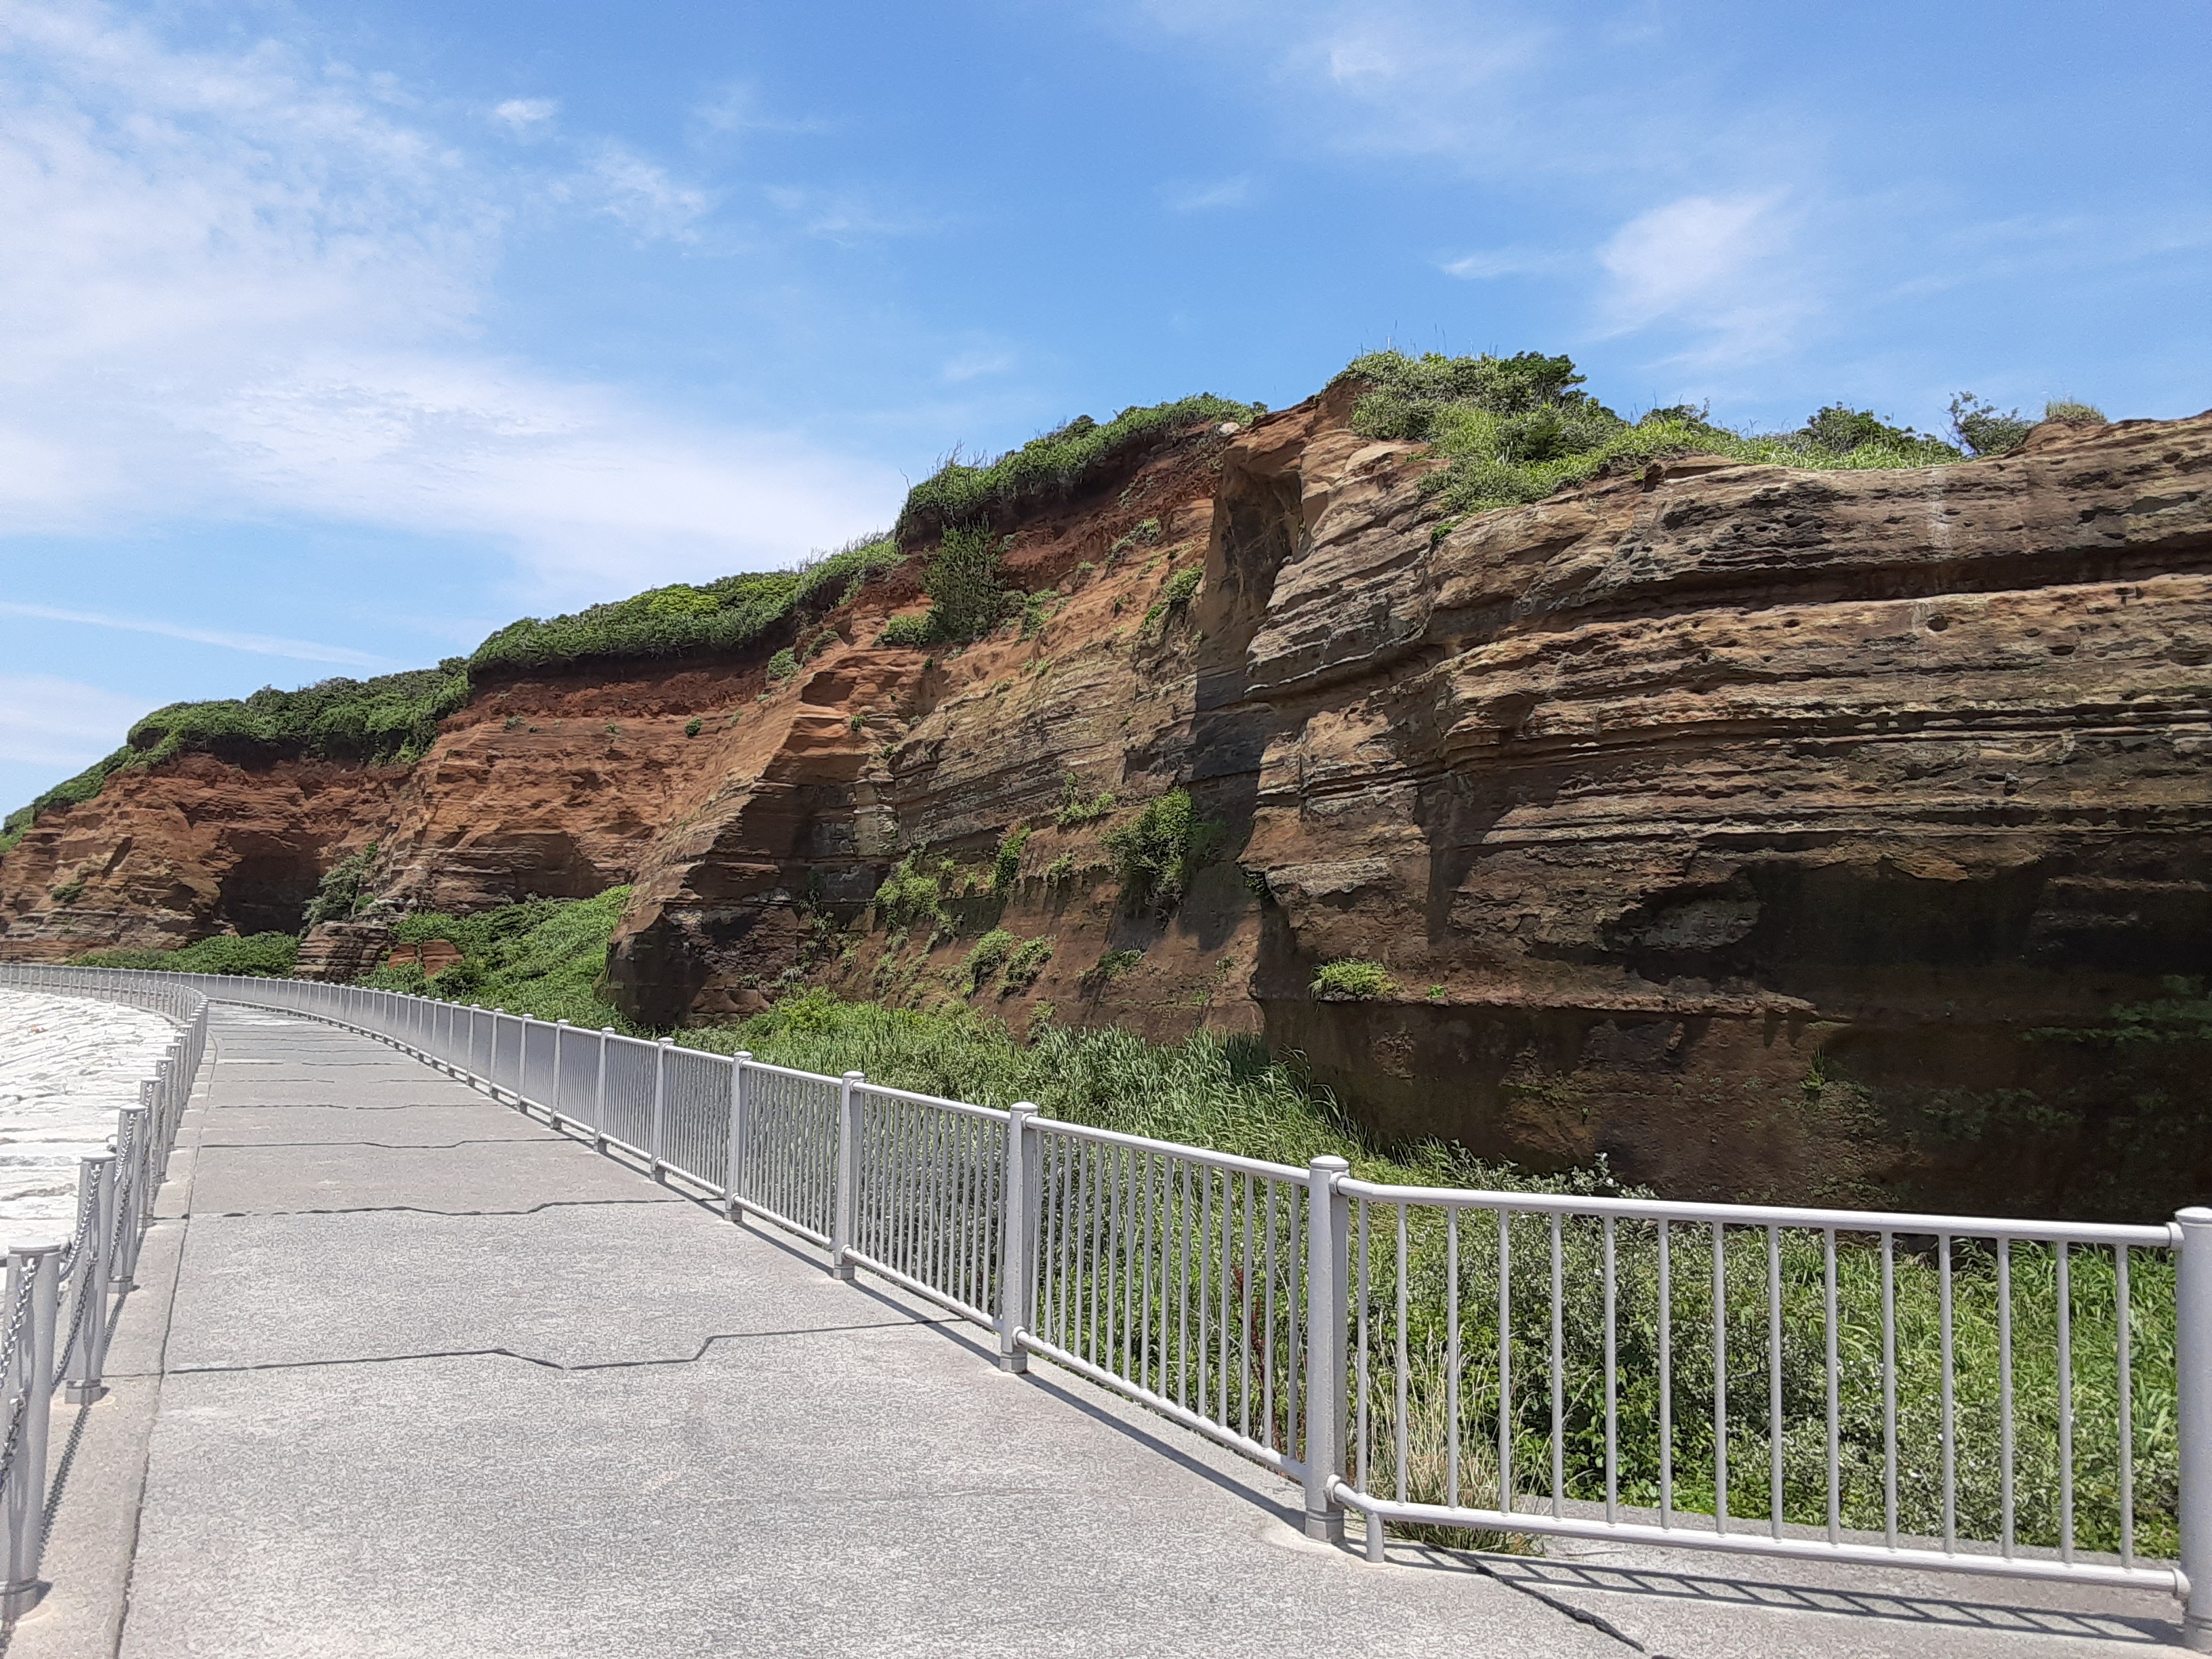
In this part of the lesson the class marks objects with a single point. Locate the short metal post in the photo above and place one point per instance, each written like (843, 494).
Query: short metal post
(31, 1382)
(132, 1128)
(2193, 1363)
(87, 1352)
(599, 1093)
(1016, 1226)
(848, 1174)
(733, 1160)
(1328, 1239)
(659, 1100)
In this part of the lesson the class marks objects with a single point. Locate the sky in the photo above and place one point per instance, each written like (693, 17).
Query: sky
(334, 336)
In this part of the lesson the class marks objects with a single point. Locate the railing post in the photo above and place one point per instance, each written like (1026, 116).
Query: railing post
(2193, 1365)
(88, 1353)
(600, 1095)
(30, 1391)
(1329, 1240)
(130, 1132)
(734, 1161)
(1016, 1226)
(848, 1173)
(560, 1030)
(659, 1101)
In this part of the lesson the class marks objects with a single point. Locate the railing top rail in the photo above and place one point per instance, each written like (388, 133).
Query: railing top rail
(1173, 1149)
(913, 1097)
(1764, 1215)
(785, 1071)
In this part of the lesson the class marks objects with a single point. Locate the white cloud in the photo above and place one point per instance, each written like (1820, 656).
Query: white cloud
(739, 107)
(1726, 266)
(1507, 262)
(238, 283)
(526, 118)
(975, 365)
(641, 194)
(266, 645)
(1189, 196)
(845, 216)
(48, 721)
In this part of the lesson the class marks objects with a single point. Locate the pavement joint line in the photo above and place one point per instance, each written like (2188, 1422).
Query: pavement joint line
(705, 1347)
(417, 1209)
(381, 1145)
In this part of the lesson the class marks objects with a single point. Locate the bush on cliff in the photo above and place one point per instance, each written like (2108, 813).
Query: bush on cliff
(666, 621)
(1157, 852)
(1054, 464)
(1513, 429)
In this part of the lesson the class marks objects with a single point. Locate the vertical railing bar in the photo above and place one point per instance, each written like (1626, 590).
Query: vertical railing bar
(1505, 1496)
(1244, 1365)
(2064, 1286)
(1364, 1475)
(1666, 1292)
(1400, 1434)
(2127, 1426)
(1950, 1395)
(1834, 1385)
(1451, 1359)
(1774, 1380)
(1267, 1289)
(1720, 1379)
(1559, 1372)
(2004, 1386)
(1611, 1377)
(1889, 1388)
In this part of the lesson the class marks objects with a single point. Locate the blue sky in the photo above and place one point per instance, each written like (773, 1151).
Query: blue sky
(336, 335)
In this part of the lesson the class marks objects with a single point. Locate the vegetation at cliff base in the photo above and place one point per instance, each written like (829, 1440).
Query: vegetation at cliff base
(681, 618)
(1056, 463)
(261, 955)
(545, 957)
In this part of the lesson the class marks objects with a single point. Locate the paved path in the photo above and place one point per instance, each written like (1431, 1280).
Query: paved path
(412, 1376)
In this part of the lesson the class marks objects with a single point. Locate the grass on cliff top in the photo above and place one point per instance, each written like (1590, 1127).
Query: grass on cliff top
(1515, 428)
(1055, 464)
(718, 616)
(391, 718)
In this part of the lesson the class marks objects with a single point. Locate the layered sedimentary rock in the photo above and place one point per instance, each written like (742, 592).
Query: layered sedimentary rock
(1767, 831)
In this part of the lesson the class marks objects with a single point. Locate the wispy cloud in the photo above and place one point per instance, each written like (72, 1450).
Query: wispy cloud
(975, 365)
(265, 645)
(739, 107)
(1189, 196)
(1509, 261)
(526, 118)
(244, 281)
(848, 216)
(1727, 266)
(46, 720)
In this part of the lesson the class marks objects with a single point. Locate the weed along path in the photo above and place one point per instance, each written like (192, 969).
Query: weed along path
(409, 1373)
(427, 1377)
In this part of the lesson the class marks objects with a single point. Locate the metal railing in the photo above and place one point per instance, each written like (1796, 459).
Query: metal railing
(62, 1296)
(2028, 1399)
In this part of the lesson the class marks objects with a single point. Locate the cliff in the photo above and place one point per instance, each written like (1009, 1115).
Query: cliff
(1838, 834)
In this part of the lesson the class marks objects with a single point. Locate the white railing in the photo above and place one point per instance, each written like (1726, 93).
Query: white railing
(1948, 1392)
(62, 1296)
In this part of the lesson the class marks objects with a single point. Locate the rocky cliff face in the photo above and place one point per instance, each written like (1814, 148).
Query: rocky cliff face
(1769, 831)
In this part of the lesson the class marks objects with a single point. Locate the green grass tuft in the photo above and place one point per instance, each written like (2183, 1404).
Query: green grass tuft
(1354, 979)
(1157, 852)
(261, 955)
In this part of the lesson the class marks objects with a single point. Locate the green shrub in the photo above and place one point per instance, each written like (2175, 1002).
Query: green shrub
(1007, 863)
(984, 962)
(2073, 413)
(693, 727)
(1982, 428)
(338, 895)
(1076, 807)
(1061, 871)
(907, 896)
(1513, 429)
(1055, 465)
(1027, 962)
(1156, 852)
(1174, 598)
(1354, 979)
(545, 957)
(911, 632)
(1112, 966)
(1146, 531)
(682, 619)
(68, 892)
(966, 598)
(260, 956)
(782, 665)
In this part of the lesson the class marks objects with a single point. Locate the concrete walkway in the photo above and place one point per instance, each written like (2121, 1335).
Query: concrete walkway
(410, 1375)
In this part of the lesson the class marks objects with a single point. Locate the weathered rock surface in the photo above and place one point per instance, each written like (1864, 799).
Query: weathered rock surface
(1755, 828)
